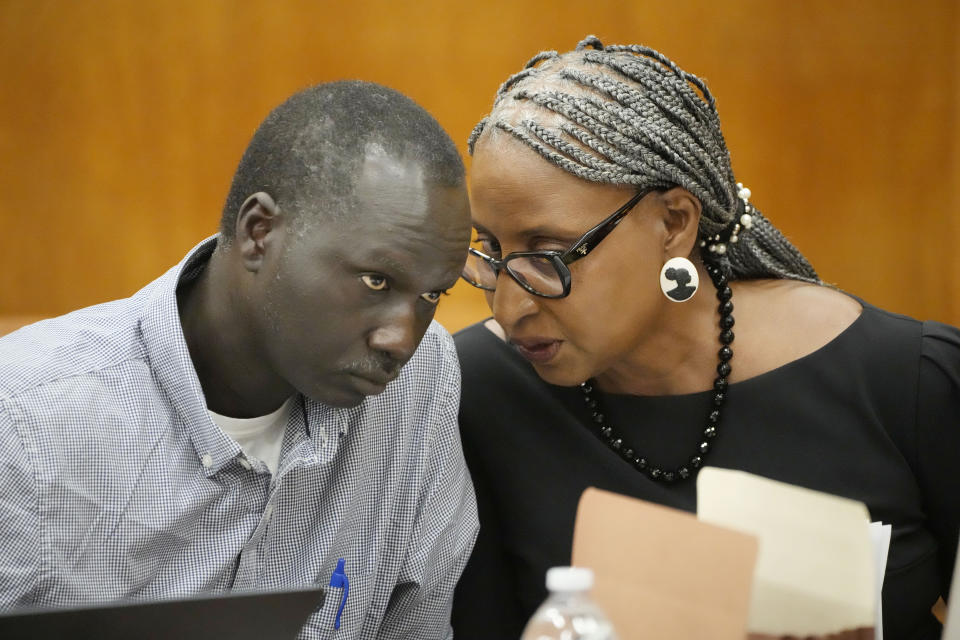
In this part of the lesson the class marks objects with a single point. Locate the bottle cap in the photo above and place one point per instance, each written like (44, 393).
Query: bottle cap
(569, 579)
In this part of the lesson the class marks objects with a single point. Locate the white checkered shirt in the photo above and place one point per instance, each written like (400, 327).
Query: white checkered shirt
(116, 483)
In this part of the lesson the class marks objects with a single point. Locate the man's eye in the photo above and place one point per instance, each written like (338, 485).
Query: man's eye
(433, 297)
(375, 282)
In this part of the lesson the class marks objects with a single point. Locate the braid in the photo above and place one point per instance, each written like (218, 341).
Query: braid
(477, 130)
(627, 114)
(590, 41)
(681, 154)
(570, 166)
(764, 252)
(528, 69)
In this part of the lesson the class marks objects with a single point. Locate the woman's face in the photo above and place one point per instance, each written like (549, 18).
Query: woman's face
(521, 202)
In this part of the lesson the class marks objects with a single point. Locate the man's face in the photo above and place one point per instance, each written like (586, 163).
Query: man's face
(343, 304)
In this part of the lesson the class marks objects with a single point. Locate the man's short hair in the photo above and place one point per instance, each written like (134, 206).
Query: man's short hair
(308, 153)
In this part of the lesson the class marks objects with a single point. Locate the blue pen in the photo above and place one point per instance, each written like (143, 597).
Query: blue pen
(339, 580)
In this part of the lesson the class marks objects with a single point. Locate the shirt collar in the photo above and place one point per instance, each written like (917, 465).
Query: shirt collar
(170, 361)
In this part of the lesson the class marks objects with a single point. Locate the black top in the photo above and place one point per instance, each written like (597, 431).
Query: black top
(872, 415)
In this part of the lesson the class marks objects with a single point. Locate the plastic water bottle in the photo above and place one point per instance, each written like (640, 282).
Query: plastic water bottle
(568, 613)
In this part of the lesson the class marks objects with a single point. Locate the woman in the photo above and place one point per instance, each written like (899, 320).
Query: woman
(628, 349)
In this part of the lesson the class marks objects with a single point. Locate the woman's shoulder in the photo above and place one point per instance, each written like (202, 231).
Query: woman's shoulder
(772, 306)
(940, 364)
(781, 321)
(478, 340)
(485, 353)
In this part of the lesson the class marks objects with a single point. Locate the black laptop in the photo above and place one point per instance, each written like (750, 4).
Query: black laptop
(238, 616)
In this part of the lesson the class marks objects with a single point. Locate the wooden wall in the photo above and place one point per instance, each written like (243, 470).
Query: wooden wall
(121, 122)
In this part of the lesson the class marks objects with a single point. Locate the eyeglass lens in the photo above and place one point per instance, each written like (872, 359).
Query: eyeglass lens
(538, 273)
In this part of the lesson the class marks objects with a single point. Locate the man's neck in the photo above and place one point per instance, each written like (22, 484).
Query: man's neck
(234, 375)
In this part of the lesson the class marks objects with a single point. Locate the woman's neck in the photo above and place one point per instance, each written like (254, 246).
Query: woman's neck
(679, 353)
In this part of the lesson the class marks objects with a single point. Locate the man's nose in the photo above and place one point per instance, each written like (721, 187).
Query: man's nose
(398, 335)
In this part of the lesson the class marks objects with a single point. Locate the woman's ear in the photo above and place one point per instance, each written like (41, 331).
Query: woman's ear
(682, 222)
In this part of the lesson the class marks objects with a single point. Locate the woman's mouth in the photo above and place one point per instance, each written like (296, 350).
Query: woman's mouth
(537, 350)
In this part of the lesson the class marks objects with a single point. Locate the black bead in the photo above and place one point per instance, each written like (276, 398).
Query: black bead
(590, 402)
(597, 417)
(724, 294)
(616, 444)
(720, 385)
(640, 463)
(723, 369)
(606, 432)
(726, 336)
(726, 322)
(718, 399)
(725, 308)
(668, 476)
(696, 462)
(683, 472)
(628, 454)
(710, 432)
(714, 417)
(655, 473)
(725, 353)
(704, 447)
(720, 280)
(586, 387)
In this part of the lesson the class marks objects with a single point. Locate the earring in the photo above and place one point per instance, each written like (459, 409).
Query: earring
(679, 279)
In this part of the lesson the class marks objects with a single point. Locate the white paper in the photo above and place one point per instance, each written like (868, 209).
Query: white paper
(880, 537)
(951, 630)
(815, 569)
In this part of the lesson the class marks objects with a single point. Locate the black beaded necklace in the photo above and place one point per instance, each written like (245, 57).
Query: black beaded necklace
(614, 440)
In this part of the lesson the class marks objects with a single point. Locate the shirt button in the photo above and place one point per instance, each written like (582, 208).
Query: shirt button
(244, 463)
(206, 460)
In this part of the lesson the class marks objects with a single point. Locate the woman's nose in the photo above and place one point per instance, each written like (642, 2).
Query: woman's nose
(510, 302)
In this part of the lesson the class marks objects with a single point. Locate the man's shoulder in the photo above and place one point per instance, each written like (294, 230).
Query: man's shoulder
(436, 351)
(80, 343)
(430, 379)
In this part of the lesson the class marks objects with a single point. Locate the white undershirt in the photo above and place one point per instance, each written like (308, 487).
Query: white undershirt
(259, 437)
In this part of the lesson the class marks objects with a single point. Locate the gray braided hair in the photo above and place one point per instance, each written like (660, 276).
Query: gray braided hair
(627, 114)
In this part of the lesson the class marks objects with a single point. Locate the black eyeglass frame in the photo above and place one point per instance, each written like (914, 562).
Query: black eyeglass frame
(559, 259)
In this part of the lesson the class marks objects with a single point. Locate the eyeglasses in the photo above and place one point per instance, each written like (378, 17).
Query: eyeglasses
(542, 273)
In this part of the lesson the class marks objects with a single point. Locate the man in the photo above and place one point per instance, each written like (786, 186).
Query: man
(262, 410)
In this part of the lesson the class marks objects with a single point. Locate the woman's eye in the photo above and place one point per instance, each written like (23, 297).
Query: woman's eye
(490, 247)
(375, 282)
(433, 297)
(551, 244)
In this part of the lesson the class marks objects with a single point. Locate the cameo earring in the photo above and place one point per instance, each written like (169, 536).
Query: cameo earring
(679, 279)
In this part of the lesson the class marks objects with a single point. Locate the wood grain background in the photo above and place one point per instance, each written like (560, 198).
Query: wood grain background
(121, 122)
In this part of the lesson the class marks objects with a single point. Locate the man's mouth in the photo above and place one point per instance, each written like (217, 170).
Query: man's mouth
(372, 379)
(370, 385)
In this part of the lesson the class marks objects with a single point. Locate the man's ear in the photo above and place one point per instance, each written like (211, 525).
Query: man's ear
(682, 222)
(258, 217)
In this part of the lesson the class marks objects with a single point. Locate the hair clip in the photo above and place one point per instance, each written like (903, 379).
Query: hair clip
(717, 244)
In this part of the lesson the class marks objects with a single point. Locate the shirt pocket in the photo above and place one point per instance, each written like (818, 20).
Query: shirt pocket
(321, 624)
